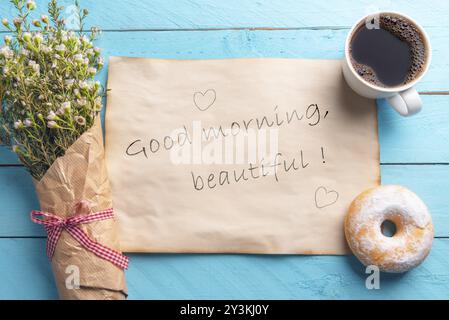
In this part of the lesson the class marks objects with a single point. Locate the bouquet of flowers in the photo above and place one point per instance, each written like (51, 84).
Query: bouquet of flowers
(49, 116)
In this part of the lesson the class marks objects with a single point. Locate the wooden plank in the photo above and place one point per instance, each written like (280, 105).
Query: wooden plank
(422, 138)
(27, 268)
(17, 196)
(17, 199)
(428, 182)
(195, 14)
(324, 44)
(159, 276)
(7, 157)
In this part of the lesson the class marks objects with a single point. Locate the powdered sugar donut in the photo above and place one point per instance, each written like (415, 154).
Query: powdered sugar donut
(410, 244)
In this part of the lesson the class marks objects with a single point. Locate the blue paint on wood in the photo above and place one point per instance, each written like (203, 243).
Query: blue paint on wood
(17, 199)
(423, 138)
(190, 276)
(425, 181)
(205, 14)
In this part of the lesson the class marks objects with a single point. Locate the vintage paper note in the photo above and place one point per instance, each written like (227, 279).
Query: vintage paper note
(238, 155)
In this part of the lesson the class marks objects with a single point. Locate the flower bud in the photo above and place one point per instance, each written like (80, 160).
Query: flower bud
(52, 125)
(17, 21)
(51, 116)
(38, 38)
(100, 62)
(66, 106)
(26, 37)
(18, 125)
(37, 23)
(28, 123)
(8, 40)
(44, 19)
(85, 39)
(31, 5)
(5, 22)
(98, 104)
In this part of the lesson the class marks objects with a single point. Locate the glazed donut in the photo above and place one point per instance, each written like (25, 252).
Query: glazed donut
(410, 244)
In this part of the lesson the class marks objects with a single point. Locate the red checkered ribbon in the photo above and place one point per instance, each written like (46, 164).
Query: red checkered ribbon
(54, 226)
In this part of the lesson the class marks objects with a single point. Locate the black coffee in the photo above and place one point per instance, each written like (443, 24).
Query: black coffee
(391, 55)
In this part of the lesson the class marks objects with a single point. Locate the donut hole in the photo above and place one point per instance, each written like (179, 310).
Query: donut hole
(388, 228)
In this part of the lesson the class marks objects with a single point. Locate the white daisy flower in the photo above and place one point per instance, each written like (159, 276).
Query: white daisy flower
(80, 120)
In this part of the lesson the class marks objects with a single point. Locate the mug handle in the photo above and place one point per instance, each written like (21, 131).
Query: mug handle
(407, 102)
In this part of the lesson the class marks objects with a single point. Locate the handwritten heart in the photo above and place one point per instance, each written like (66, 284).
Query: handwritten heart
(204, 101)
(325, 198)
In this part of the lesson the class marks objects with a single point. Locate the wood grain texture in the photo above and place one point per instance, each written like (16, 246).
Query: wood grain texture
(206, 14)
(422, 138)
(159, 276)
(311, 44)
(430, 182)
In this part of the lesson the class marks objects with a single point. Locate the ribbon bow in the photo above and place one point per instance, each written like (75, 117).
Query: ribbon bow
(54, 226)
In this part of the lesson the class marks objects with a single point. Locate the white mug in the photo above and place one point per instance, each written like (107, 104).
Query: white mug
(404, 99)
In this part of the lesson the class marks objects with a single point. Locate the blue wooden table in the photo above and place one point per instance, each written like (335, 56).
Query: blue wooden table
(414, 151)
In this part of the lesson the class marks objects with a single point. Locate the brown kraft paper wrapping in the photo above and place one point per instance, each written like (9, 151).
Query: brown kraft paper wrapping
(81, 174)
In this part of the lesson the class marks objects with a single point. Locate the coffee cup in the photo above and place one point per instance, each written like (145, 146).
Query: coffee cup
(386, 54)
